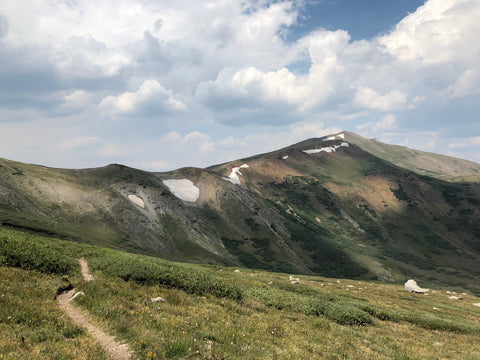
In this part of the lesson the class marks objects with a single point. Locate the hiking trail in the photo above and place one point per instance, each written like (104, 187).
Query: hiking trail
(113, 348)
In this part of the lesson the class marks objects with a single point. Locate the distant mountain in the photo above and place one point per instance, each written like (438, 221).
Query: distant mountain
(339, 206)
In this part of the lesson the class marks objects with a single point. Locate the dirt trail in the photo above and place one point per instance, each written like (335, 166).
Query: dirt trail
(85, 271)
(114, 349)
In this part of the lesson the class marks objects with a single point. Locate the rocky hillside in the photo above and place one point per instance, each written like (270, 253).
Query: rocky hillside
(331, 206)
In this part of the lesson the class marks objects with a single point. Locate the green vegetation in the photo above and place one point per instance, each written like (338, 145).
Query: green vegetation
(25, 252)
(154, 271)
(401, 195)
(31, 324)
(328, 260)
(213, 312)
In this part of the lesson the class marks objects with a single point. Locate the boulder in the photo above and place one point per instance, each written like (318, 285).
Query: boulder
(157, 299)
(411, 286)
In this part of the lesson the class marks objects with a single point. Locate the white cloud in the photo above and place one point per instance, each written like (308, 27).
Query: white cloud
(112, 151)
(468, 84)
(150, 95)
(385, 124)
(171, 136)
(251, 87)
(3, 26)
(434, 35)
(323, 45)
(467, 142)
(79, 141)
(157, 165)
(309, 130)
(195, 136)
(370, 99)
(180, 66)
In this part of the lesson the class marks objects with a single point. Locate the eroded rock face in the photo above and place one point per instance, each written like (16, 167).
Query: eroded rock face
(411, 286)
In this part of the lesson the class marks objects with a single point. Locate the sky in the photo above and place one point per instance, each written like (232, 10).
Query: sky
(159, 85)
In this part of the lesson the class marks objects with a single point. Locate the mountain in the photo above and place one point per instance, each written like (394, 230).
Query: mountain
(338, 206)
(424, 163)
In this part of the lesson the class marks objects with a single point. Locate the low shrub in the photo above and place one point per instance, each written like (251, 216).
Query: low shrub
(153, 271)
(20, 250)
(329, 307)
(342, 313)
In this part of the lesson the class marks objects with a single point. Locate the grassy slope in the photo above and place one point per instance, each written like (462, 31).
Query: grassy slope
(214, 312)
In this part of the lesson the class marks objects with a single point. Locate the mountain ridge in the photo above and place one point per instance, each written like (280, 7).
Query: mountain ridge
(323, 206)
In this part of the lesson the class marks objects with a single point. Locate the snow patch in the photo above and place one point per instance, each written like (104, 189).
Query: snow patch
(183, 189)
(136, 200)
(285, 157)
(233, 177)
(328, 149)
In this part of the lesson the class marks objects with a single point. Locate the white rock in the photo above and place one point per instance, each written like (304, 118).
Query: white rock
(157, 299)
(411, 286)
(237, 271)
(295, 282)
(453, 297)
(476, 304)
(80, 293)
(349, 286)
(435, 308)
